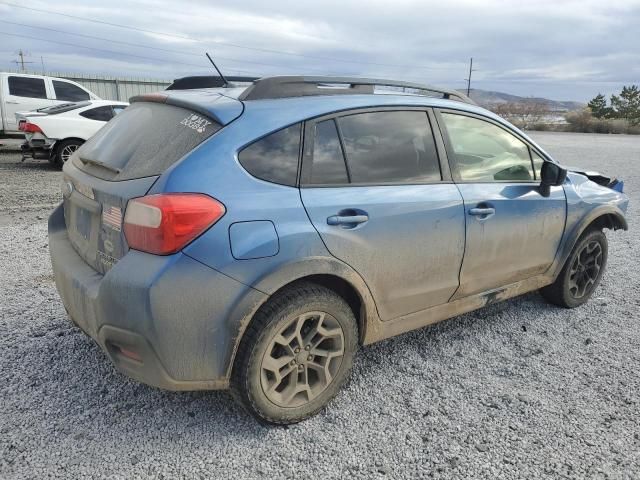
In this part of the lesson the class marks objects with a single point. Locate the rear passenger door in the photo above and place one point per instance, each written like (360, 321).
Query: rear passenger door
(376, 192)
(513, 231)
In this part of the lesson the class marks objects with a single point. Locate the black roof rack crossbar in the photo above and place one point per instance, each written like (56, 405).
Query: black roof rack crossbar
(302, 86)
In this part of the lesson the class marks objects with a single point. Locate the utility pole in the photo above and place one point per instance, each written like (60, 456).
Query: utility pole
(469, 77)
(21, 62)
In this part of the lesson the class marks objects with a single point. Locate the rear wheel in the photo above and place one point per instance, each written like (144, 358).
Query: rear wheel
(65, 149)
(295, 355)
(581, 273)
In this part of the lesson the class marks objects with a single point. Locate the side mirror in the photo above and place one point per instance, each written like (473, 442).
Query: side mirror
(552, 174)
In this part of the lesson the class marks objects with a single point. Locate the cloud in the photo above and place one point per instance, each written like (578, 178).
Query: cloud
(565, 50)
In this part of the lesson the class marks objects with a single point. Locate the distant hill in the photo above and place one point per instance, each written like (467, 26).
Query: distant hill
(487, 98)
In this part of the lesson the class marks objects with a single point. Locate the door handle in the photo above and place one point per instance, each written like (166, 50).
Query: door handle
(347, 220)
(11, 102)
(482, 211)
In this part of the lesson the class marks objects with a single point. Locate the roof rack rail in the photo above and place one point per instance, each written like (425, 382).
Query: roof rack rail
(302, 86)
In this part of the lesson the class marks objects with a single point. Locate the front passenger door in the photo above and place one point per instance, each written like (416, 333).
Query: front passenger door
(512, 230)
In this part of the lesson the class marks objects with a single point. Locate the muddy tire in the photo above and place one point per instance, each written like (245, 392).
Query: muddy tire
(295, 355)
(581, 273)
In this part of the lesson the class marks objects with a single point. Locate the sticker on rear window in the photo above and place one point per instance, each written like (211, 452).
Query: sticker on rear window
(196, 122)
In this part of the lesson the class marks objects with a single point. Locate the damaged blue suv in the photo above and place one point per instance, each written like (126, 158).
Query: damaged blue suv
(252, 238)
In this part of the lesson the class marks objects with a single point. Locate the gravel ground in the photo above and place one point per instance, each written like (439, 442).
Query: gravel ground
(516, 390)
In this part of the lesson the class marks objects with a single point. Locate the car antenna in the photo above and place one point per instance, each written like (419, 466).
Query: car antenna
(225, 84)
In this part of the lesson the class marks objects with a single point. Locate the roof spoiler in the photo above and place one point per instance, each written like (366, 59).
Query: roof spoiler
(206, 81)
(302, 86)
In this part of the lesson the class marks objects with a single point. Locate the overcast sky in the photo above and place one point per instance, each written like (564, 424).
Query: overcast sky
(564, 50)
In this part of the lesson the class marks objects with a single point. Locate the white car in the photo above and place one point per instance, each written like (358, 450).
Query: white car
(56, 132)
(21, 92)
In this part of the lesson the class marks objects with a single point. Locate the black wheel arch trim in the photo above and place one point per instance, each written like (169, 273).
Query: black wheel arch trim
(293, 272)
(607, 216)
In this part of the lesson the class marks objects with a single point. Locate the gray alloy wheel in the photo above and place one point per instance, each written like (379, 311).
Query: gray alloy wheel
(295, 355)
(585, 270)
(67, 151)
(302, 359)
(581, 273)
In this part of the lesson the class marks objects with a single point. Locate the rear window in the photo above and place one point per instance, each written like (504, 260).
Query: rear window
(143, 140)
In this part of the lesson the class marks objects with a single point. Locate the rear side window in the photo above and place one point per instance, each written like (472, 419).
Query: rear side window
(274, 158)
(142, 141)
(27, 87)
(328, 166)
(69, 92)
(101, 114)
(390, 147)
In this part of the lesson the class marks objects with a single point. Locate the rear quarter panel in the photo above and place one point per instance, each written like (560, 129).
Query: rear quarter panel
(213, 168)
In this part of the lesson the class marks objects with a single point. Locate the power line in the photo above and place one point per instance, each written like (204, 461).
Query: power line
(186, 37)
(179, 52)
(98, 49)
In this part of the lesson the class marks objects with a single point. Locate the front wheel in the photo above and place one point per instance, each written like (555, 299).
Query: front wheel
(295, 355)
(581, 273)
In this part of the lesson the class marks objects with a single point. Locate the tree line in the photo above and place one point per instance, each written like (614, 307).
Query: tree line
(625, 106)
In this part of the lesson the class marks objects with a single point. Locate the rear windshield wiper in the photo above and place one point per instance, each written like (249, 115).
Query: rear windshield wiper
(98, 163)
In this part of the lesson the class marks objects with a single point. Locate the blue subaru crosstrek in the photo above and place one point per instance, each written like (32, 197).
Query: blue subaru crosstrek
(252, 238)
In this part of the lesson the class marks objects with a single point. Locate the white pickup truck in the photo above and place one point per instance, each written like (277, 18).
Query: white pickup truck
(21, 92)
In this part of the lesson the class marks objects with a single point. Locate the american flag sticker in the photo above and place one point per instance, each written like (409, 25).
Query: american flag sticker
(112, 217)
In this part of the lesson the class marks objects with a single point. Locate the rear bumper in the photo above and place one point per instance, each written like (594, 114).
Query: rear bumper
(179, 318)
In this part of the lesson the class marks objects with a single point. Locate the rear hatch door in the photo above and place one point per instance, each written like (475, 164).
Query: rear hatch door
(120, 162)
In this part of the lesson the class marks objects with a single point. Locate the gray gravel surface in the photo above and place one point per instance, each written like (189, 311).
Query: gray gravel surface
(516, 390)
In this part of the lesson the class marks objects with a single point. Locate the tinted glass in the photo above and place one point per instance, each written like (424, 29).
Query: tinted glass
(537, 163)
(118, 108)
(144, 140)
(274, 158)
(387, 147)
(328, 165)
(69, 92)
(484, 152)
(102, 114)
(27, 87)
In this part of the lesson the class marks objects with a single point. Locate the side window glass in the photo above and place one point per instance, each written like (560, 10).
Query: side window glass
(27, 87)
(274, 158)
(484, 152)
(101, 114)
(388, 147)
(537, 163)
(69, 92)
(117, 109)
(328, 165)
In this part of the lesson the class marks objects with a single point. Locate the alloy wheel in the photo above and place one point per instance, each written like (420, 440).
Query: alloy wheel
(302, 359)
(585, 270)
(67, 151)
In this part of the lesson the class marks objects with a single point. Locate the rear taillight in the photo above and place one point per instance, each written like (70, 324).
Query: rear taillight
(165, 223)
(29, 127)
